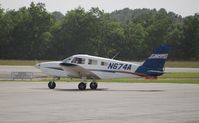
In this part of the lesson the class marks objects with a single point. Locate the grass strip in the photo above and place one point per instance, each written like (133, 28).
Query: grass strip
(179, 75)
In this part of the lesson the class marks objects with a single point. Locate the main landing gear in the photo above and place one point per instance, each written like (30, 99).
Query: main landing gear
(93, 85)
(81, 85)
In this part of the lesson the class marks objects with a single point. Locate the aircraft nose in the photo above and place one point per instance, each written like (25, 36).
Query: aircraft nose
(37, 66)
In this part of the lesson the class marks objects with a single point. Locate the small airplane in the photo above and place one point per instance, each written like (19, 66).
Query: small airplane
(92, 67)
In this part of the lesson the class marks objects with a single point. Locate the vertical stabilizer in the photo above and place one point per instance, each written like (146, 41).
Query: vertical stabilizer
(154, 64)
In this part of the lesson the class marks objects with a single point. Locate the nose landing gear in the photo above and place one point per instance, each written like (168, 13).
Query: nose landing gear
(51, 84)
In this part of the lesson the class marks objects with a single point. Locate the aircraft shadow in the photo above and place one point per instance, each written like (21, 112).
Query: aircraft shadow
(106, 89)
(100, 89)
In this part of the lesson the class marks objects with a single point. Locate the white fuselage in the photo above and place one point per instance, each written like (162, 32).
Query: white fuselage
(52, 68)
(96, 67)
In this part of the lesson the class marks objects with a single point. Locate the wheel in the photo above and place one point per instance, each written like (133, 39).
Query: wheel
(93, 85)
(82, 86)
(51, 84)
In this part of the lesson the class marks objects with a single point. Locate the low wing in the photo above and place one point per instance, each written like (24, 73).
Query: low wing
(77, 71)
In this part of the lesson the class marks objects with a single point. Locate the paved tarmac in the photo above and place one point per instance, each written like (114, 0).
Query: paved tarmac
(33, 102)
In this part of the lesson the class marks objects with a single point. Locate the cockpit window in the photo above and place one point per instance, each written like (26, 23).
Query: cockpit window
(78, 60)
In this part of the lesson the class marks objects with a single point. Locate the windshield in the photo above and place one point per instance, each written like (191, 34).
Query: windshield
(78, 60)
(67, 60)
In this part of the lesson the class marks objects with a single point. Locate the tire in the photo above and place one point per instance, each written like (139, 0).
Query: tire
(82, 86)
(93, 85)
(51, 84)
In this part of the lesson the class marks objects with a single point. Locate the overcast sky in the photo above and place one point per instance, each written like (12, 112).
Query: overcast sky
(182, 7)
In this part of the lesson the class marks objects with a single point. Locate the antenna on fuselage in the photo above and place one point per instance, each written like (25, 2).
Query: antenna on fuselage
(116, 55)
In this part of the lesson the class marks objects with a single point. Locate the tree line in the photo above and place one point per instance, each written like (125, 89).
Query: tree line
(33, 33)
